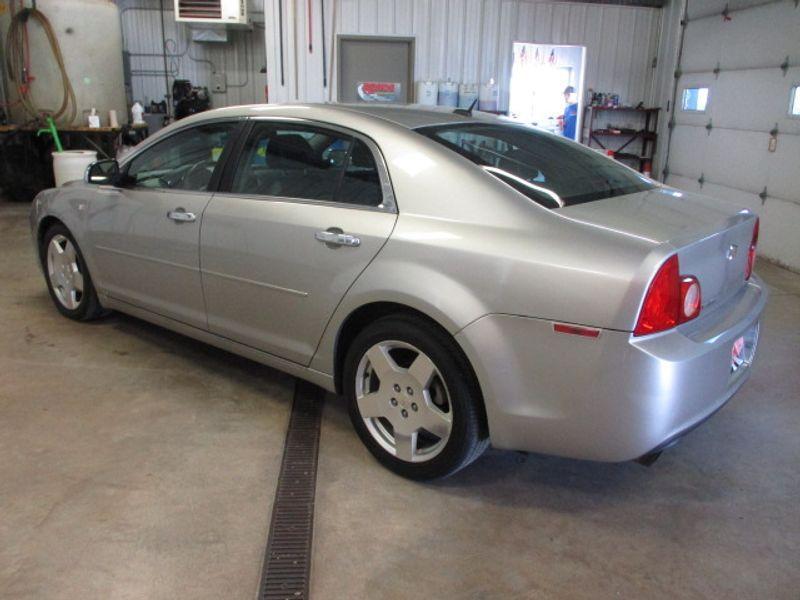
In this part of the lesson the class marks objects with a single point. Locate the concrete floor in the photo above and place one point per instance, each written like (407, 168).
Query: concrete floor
(139, 464)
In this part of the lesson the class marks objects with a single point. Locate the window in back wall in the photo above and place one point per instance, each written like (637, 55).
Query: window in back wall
(794, 101)
(695, 99)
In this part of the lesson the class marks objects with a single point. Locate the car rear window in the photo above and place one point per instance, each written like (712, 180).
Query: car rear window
(549, 170)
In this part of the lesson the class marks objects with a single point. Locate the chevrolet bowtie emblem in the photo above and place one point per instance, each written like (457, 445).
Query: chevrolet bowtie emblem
(731, 251)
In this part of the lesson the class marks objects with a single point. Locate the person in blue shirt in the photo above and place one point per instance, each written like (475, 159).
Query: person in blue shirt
(570, 118)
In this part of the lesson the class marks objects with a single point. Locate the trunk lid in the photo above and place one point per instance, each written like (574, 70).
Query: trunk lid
(711, 238)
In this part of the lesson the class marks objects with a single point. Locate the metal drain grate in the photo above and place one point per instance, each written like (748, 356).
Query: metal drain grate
(287, 561)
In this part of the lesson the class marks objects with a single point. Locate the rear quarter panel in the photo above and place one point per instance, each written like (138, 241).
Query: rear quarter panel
(466, 245)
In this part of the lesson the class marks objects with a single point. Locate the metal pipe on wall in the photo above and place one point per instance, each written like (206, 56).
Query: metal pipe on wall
(280, 39)
(246, 82)
(322, 24)
(168, 92)
(310, 14)
(296, 60)
(670, 126)
(3, 78)
(333, 52)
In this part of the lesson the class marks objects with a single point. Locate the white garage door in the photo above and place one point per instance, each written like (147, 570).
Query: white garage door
(750, 63)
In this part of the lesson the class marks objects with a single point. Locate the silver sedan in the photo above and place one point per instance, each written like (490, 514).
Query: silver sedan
(462, 280)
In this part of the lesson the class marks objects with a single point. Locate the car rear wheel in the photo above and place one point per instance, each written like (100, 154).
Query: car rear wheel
(68, 279)
(413, 398)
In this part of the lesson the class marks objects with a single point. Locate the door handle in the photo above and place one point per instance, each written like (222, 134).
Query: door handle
(335, 237)
(179, 215)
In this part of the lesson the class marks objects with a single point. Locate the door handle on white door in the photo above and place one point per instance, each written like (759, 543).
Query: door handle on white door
(179, 215)
(335, 237)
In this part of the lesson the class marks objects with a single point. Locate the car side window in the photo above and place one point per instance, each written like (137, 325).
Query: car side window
(306, 162)
(183, 161)
(361, 183)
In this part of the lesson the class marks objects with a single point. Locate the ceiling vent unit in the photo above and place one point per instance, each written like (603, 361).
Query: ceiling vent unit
(212, 12)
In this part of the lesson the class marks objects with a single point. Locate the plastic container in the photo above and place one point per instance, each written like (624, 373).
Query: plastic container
(137, 110)
(467, 94)
(70, 165)
(488, 96)
(427, 92)
(448, 93)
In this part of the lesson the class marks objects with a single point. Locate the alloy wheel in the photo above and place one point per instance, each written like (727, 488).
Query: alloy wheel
(64, 272)
(403, 399)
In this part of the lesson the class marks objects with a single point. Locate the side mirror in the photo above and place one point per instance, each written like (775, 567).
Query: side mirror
(102, 172)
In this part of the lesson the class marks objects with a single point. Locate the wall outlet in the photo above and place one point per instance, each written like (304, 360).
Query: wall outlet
(219, 83)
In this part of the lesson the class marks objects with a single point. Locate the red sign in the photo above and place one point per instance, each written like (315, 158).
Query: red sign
(379, 91)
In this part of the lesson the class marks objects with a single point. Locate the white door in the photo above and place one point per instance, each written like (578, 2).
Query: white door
(721, 143)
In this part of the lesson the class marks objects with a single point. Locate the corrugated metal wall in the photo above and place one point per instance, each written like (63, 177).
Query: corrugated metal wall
(748, 97)
(242, 58)
(467, 40)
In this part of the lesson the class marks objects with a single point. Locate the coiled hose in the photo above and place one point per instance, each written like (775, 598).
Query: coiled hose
(16, 47)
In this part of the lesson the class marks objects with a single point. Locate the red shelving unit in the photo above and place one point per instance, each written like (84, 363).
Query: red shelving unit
(619, 139)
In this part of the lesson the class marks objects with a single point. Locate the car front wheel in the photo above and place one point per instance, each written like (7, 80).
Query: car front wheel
(413, 398)
(67, 277)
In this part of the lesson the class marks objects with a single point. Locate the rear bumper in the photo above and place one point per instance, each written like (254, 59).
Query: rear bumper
(611, 398)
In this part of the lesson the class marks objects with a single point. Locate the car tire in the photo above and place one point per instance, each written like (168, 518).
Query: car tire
(387, 401)
(67, 276)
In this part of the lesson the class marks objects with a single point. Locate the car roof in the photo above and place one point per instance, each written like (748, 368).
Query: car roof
(411, 116)
(366, 118)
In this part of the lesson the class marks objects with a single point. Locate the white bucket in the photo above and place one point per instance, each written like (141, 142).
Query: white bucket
(448, 93)
(70, 165)
(467, 94)
(427, 92)
(488, 99)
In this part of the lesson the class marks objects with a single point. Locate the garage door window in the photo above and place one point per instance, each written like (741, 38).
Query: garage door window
(794, 101)
(695, 99)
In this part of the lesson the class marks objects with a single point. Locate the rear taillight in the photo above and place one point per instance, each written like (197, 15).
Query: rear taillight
(751, 253)
(671, 299)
